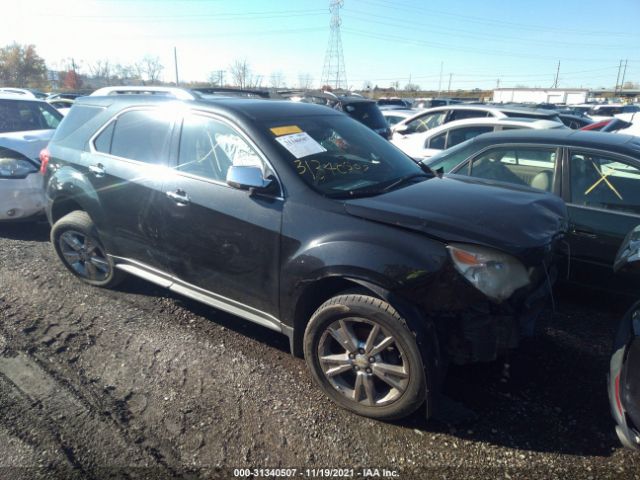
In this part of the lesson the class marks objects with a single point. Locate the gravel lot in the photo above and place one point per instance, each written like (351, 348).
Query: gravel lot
(139, 383)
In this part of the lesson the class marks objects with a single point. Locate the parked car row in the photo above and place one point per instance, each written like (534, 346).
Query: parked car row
(379, 268)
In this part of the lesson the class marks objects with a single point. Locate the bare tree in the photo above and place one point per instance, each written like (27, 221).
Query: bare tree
(305, 81)
(100, 70)
(277, 79)
(241, 75)
(125, 73)
(152, 68)
(216, 78)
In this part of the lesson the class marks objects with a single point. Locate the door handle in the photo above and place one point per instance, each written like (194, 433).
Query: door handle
(97, 170)
(179, 196)
(584, 233)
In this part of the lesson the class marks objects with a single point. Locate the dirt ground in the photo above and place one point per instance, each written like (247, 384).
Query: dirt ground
(140, 383)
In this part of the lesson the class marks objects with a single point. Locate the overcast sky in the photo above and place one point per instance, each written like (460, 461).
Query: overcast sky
(477, 41)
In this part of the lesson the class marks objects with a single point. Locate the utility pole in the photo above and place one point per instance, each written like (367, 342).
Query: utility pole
(449, 87)
(615, 89)
(497, 83)
(555, 83)
(440, 81)
(624, 72)
(175, 61)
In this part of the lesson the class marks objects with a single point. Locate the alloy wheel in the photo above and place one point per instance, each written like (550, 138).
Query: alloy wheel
(84, 256)
(363, 361)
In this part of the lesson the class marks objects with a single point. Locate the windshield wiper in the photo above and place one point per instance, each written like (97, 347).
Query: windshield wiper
(405, 179)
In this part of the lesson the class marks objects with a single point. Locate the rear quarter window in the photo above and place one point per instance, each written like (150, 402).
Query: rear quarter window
(141, 135)
(77, 117)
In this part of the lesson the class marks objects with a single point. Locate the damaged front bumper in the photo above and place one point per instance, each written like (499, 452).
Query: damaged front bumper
(486, 330)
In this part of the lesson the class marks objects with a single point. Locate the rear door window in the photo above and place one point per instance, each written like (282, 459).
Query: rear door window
(604, 182)
(534, 167)
(459, 135)
(142, 135)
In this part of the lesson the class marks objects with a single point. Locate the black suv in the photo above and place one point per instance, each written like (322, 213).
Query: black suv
(302, 220)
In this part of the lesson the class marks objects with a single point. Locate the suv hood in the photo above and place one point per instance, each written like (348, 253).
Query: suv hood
(28, 143)
(518, 220)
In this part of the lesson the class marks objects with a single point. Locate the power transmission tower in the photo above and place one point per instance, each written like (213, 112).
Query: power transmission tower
(334, 73)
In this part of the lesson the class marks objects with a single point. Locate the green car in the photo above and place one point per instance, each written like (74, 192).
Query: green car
(597, 175)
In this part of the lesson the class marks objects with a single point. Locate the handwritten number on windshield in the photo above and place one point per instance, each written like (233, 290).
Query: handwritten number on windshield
(320, 171)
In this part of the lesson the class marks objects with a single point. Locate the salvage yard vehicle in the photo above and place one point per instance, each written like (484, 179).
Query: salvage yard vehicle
(26, 125)
(624, 366)
(395, 115)
(434, 117)
(597, 175)
(303, 220)
(427, 144)
(361, 109)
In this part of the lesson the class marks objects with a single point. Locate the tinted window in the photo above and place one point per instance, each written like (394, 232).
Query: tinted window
(141, 136)
(209, 147)
(462, 114)
(102, 142)
(460, 135)
(604, 182)
(21, 116)
(367, 113)
(75, 119)
(534, 167)
(426, 122)
(533, 115)
(438, 141)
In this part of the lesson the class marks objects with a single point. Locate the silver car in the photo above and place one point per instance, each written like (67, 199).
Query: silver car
(26, 125)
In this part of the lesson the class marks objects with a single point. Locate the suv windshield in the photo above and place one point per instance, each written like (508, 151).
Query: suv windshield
(21, 116)
(341, 158)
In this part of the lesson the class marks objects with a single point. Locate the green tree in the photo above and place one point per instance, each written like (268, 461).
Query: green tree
(20, 66)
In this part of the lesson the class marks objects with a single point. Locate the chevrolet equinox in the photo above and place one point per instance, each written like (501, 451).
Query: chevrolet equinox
(302, 220)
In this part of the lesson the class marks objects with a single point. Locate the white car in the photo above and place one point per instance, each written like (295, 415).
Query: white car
(608, 110)
(426, 144)
(393, 116)
(434, 117)
(26, 126)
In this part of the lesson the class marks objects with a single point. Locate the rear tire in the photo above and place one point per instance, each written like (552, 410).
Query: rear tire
(364, 357)
(76, 242)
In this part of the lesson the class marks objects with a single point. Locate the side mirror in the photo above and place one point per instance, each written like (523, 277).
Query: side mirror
(629, 252)
(247, 178)
(402, 130)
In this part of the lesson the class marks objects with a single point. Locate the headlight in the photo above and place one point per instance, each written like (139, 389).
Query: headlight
(494, 273)
(16, 167)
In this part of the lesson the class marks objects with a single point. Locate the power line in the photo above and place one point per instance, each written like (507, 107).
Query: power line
(503, 23)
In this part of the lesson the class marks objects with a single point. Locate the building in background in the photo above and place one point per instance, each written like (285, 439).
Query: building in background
(569, 96)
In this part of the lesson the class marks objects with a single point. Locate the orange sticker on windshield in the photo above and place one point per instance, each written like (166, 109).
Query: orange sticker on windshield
(287, 130)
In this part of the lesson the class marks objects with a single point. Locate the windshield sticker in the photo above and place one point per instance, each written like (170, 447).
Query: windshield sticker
(286, 130)
(300, 144)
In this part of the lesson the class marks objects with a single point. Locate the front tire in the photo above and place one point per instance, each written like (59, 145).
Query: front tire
(75, 240)
(364, 357)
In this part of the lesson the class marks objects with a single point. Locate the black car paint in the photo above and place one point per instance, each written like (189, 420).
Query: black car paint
(594, 235)
(273, 258)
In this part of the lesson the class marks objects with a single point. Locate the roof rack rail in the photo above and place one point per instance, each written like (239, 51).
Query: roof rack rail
(230, 90)
(176, 92)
